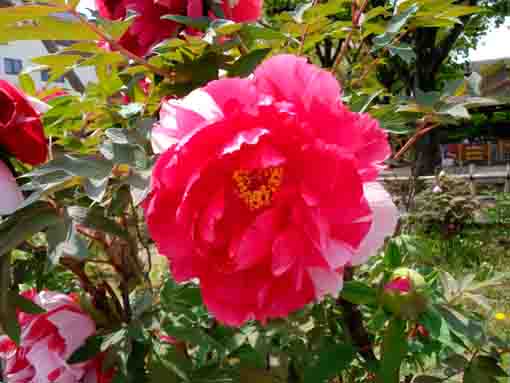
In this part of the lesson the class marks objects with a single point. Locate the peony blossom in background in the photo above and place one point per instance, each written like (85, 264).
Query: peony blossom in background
(148, 29)
(22, 136)
(21, 129)
(265, 190)
(47, 341)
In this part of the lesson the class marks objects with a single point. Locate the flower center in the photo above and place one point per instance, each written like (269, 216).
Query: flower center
(256, 188)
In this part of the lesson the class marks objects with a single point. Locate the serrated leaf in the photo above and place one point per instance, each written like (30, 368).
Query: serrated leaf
(457, 362)
(332, 360)
(47, 28)
(27, 84)
(201, 23)
(456, 111)
(427, 379)
(11, 15)
(246, 64)
(359, 293)
(24, 223)
(94, 219)
(361, 103)
(87, 351)
(11, 326)
(404, 51)
(23, 304)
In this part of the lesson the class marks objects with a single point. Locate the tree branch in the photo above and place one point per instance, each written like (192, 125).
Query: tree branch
(353, 320)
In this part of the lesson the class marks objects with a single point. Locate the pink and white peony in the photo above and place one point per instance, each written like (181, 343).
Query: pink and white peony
(265, 190)
(47, 341)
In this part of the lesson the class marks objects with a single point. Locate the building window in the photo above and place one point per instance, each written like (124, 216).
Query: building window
(45, 76)
(12, 66)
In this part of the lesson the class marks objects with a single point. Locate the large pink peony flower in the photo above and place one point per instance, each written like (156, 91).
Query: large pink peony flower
(148, 29)
(265, 189)
(47, 341)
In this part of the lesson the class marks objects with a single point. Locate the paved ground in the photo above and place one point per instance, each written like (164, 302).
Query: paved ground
(494, 171)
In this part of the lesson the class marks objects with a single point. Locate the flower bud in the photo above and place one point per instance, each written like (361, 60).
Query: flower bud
(404, 295)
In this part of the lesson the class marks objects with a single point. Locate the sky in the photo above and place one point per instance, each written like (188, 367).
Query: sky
(496, 43)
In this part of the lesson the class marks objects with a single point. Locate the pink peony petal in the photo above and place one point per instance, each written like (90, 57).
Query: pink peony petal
(180, 117)
(326, 282)
(45, 363)
(287, 249)
(256, 241)
(401, 284)
(385, 219)
(233, 94)
(11, 194)
(73, 327)
(289, 78)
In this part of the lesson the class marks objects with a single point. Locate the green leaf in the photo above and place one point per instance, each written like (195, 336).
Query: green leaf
(360, 103)
(394, 349)
(456, 362)
(27, 84)
(299, 12)
(245, 65)
(252, 31)
(87, 351)
(225, 27)
(194, 335)
(329, 8)
(396, 23)
(11, 326)
(57, 60)
(456, 111)
(95, 219)
(483, 369)
(76, 166)
(131, 109)
(427, 379)
(427, 98)
(11, 15)
(359, 293)
(47, 28)
(24, 223)
(404, 51)
(393, 255)
(23, 304)
(332, 360)
(201, 23)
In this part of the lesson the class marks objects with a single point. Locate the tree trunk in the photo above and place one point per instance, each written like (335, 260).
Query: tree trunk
(427, 147)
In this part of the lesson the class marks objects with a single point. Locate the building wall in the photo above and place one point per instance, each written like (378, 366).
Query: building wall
(25, 51)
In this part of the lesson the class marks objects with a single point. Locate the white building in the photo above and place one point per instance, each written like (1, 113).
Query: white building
(16, 57)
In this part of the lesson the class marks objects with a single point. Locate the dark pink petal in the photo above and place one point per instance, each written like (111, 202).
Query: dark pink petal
(401, 285)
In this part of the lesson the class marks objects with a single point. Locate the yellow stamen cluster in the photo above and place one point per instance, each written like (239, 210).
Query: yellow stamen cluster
(257, 187)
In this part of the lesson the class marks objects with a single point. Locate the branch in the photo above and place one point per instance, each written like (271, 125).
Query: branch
(356, 16)
(354, 324)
